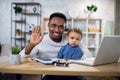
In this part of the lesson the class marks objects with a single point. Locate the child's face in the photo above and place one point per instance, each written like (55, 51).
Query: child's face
(73, 38)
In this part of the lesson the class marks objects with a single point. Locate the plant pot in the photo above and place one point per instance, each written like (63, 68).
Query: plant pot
(15, 59)
(18, 16)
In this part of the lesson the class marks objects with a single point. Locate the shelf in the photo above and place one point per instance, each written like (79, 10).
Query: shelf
(22, 21)
(19, 21)
(28, 32)
(18, 38)
(94, 33)
(91, 47)
(93, 19)
(38, 14)
(26, 3)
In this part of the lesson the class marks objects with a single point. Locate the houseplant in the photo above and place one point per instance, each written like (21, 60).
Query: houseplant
(17, 11)
(91, 9)
(15, 50)
(15, 57)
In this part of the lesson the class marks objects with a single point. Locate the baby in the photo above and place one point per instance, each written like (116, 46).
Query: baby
(71, 50)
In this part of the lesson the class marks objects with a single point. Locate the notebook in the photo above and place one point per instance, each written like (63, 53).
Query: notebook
(108, 52)
(45, 60)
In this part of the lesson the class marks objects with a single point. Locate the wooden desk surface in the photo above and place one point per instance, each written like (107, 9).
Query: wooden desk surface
(29, 66)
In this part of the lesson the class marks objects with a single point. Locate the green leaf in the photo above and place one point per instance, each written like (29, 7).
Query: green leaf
(15, 50)
(17, 9)
(92, 8)
(95, 8)
(88, 7)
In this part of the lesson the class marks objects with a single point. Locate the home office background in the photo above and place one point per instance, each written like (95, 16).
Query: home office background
(16, 28)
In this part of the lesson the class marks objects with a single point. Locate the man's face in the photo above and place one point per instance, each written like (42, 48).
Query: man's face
(56, 28)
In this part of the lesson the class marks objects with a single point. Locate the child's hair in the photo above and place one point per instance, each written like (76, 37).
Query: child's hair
(77, 30)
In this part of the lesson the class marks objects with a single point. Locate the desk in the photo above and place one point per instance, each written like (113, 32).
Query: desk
(29, 66)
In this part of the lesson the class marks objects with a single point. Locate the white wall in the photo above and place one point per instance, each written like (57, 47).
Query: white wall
(106, 11)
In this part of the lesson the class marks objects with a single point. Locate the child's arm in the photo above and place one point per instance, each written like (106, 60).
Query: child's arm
(78, 53)
(60, 53)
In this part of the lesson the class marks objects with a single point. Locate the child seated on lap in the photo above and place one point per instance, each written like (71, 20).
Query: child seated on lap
(72, 49)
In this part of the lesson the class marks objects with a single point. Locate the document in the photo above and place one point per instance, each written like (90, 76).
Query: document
(45, 60)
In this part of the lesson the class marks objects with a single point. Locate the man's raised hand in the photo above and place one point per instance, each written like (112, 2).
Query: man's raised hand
(35, 36)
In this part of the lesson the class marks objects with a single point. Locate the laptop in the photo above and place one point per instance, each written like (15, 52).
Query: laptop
(109, 52)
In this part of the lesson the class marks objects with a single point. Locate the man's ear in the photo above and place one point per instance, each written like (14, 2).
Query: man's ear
(48, 24)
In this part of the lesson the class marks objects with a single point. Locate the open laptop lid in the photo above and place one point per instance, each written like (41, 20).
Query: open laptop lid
(109, 50)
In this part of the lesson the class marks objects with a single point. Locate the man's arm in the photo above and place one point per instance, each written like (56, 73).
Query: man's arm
(29, 48)
(34, 40)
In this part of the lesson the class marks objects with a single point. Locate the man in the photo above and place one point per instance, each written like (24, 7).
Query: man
(49, 45)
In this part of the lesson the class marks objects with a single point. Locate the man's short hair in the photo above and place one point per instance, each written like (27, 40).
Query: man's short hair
(58, 14)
